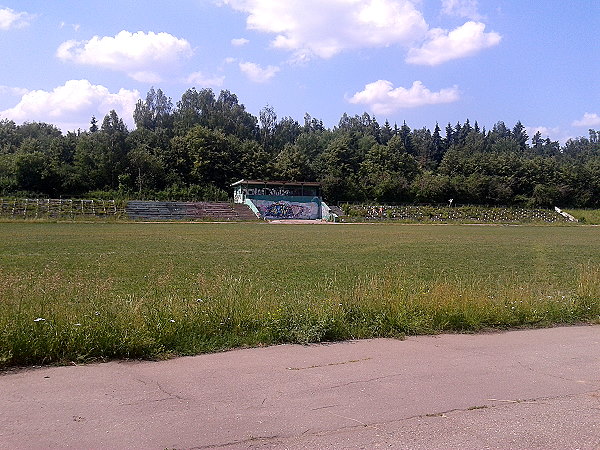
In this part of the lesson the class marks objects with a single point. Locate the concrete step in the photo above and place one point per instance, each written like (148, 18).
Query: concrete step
(149, 210)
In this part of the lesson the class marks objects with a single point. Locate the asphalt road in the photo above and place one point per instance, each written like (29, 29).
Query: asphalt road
(521, 389)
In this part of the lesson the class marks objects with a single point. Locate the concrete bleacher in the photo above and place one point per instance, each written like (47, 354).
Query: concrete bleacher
(47, 208)
(463, 213)
(336, 210)
(149, 210)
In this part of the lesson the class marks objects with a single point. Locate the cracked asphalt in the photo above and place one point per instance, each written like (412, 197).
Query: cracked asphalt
(520, 389)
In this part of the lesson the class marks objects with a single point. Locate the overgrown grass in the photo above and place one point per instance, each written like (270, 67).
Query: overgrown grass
(587, 216)
(80, 292)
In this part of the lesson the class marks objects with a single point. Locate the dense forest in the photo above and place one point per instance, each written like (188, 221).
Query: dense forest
(193, 151)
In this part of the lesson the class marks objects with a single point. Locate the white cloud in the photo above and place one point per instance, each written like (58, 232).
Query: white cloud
(143, 56)
(9, 18)
(544, 131)
(310, 28)
(256, 73)
(382, 98)
(461, 42)
(588, 120)
(239, 42)
(324, 29)
(75, 26)
(461, 8)
(16, 91)
(552, 133)
(201, 80)
(72, 105)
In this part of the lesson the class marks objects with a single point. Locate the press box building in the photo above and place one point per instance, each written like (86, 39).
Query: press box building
(282, 199)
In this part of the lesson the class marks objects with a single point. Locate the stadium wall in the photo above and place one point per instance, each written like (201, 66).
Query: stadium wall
(283, 207)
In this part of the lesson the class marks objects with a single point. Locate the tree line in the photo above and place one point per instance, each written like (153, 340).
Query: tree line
(195, 149)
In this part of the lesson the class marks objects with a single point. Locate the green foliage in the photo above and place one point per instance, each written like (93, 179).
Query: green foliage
(211, 140)
(155, 112)
(191, 193)
(211, 153)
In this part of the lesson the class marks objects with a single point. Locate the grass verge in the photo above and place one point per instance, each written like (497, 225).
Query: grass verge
(586, 216)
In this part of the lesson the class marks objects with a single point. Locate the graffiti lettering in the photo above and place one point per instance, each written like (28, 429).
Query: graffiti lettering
(277, 191)
(279, 209)
(287, 210)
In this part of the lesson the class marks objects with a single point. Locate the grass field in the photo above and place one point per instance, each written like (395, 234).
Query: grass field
(80, 292)
(587, 216)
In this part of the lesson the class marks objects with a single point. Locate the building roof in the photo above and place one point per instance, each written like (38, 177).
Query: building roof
(277, 183)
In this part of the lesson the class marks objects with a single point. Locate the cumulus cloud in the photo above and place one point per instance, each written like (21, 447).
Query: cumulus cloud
(16, 91)
(323, 29)
(545, 132)
(443, 46)
(72, 105)
(9, 18)
(202, 80)
(313, 28)
(461, 8)
(382, 98)
(588, 120)
(256, 73)
(239, 42)
(143, 56)
(552, 133)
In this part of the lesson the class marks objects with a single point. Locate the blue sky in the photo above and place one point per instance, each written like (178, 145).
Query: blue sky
(419, 61)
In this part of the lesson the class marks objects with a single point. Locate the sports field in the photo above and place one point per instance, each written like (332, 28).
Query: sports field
(78, 292)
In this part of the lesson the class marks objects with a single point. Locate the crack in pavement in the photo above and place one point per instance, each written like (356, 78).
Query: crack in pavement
(365, 381)
(532, 369)
(323, 407)
(330, 364)
(169, 395)
(455, 410)
(378, 425)
(242, 441)
(593, 393)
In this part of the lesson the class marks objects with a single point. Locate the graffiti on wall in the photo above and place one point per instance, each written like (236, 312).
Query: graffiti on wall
(283, 209)
(278, 191)
(269, 191)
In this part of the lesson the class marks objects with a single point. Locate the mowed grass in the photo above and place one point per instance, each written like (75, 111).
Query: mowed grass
(80, 292)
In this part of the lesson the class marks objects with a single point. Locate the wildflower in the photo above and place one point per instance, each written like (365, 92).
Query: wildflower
(97, 313)
(199, 300)
(77, 324)
(39, 319)
(172, 321)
